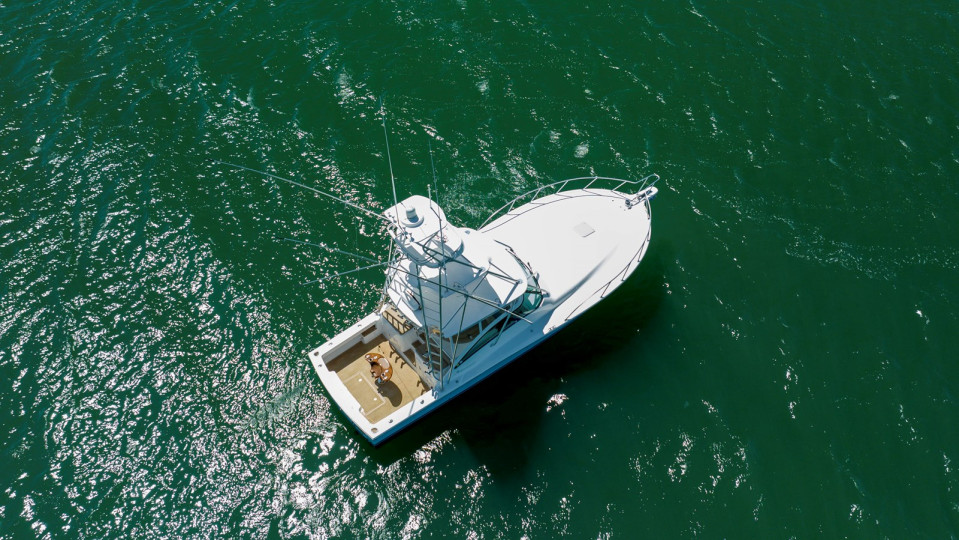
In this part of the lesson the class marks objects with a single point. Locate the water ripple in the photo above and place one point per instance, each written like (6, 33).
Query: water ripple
(787, 344)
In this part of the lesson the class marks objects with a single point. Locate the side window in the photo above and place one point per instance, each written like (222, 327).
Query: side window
(484, 324)
(490, 333)
(487, 337)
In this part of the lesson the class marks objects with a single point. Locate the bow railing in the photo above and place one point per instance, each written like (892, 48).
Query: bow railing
(583, 182)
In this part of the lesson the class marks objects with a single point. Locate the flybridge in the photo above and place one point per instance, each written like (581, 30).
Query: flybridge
(453, 284)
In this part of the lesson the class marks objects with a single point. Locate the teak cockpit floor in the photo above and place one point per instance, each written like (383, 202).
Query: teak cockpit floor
(377, 400)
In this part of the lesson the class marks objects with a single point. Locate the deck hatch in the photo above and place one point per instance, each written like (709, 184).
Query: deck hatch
(583, 229)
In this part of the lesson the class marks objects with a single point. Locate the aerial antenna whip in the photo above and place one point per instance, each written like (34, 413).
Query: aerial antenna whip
(304, 186)
(437, 187)
(433, 166)
(390, 161)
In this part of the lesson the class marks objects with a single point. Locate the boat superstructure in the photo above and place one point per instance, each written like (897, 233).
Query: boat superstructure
(458, 303)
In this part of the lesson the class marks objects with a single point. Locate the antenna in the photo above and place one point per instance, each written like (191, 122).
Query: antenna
(438, 214)
(429, 144)
(390, 161)
(304, 186)
(437, 187)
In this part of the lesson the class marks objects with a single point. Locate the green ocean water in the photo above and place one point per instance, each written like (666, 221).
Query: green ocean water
(782, 365)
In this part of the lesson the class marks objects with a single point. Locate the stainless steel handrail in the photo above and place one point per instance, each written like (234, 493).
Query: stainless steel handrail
(564, 185)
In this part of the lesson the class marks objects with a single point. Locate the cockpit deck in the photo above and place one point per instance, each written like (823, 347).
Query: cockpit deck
(377, 401)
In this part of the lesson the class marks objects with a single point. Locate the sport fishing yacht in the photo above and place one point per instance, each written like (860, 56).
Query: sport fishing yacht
(459, 304)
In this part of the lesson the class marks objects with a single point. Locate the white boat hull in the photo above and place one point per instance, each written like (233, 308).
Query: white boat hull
(584, 243)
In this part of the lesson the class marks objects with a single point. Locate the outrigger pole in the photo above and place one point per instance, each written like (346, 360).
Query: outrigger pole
(341, 274)
(333, 249)
(398, 269)
(304, 186)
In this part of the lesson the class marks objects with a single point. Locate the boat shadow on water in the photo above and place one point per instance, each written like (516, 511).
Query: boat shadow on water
(505, 411)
